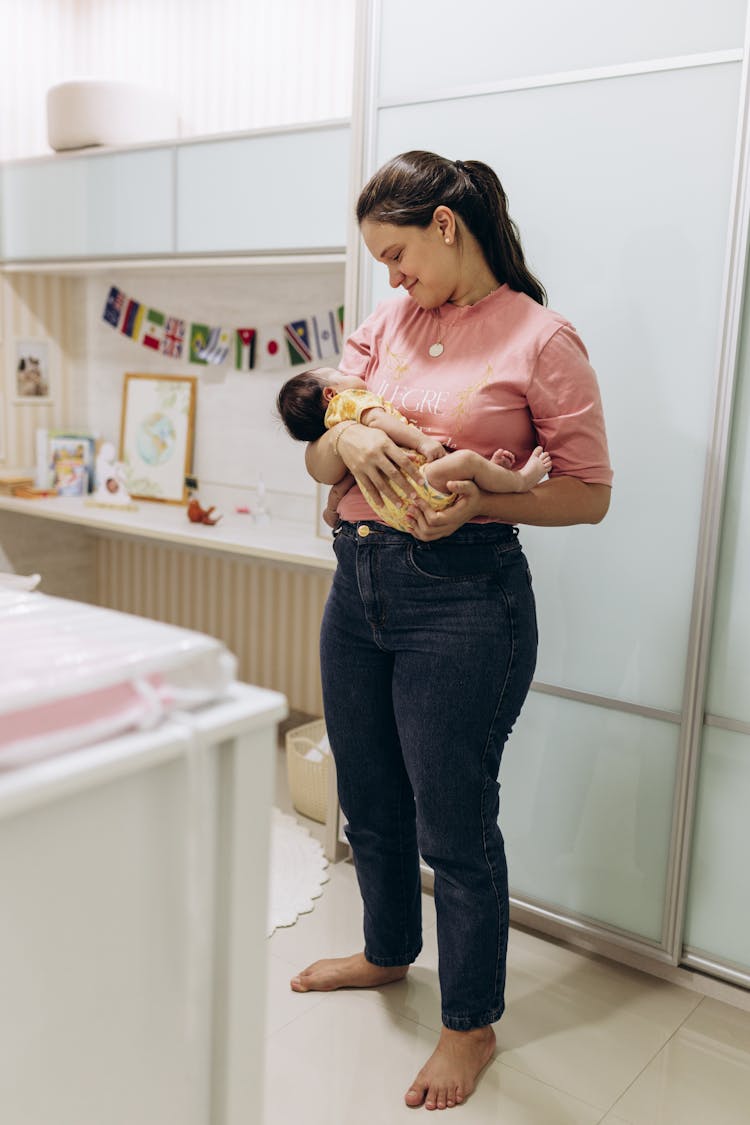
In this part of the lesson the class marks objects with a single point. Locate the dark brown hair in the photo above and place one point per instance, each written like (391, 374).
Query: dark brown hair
(301, 406)
(407, 189)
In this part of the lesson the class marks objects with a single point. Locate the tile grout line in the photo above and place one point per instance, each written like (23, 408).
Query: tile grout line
(655, 1055)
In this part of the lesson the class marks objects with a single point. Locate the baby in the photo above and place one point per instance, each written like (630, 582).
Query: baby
(316, 401)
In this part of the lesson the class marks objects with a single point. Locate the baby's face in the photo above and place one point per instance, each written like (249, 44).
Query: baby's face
(339, 382)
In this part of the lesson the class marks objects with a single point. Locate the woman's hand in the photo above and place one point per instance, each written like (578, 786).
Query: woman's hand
(429, 525)
(375, 461)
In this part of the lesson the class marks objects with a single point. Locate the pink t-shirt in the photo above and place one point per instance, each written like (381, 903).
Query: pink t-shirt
(513, 375)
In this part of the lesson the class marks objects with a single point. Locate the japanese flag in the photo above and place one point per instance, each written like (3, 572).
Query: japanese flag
(271, 353)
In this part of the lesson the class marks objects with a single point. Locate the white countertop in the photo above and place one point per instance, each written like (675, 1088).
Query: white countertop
(283, 541)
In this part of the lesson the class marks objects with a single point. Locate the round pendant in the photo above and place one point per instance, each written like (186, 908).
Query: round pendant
(436, 350)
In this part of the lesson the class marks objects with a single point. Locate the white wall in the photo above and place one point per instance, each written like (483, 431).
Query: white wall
(228, 64)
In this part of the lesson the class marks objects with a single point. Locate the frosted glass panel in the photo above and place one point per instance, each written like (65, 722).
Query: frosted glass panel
(729, 678)
(622, 201)
(84, 207)
(490, 41)
(276, 191)
(718, 911)
(584, 808)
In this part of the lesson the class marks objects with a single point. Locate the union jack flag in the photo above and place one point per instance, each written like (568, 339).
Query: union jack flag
(174, 337)
(113, 308)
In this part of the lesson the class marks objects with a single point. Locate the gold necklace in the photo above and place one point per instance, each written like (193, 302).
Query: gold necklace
(437, 349)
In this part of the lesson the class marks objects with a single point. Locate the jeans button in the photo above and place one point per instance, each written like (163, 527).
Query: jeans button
(363, 531)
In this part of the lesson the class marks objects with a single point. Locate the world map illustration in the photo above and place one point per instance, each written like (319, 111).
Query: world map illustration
(156, 439)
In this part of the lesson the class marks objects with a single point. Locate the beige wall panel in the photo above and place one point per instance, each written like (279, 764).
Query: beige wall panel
(267, 615)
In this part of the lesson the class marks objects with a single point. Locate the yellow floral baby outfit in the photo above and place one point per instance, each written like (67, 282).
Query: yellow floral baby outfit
(349, 406)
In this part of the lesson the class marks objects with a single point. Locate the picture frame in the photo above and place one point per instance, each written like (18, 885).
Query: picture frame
(156, 435)
(32, 373)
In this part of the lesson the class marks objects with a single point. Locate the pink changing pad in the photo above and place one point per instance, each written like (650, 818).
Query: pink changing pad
(72, 674)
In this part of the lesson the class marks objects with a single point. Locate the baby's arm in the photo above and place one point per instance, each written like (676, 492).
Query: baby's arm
(408, 437)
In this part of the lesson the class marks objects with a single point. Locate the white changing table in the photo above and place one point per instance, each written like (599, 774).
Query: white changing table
(133, 884)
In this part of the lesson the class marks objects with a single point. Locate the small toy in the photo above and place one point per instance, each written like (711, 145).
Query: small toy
(196, 514)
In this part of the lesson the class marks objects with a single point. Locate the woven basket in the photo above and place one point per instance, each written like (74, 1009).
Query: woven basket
(308, 781)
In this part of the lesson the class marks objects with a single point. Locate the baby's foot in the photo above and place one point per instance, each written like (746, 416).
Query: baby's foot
(504, 458)
(535, 469)
(451, 1072)
(345, 972)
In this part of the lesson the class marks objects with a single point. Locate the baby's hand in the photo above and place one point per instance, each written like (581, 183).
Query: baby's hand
(430, 448)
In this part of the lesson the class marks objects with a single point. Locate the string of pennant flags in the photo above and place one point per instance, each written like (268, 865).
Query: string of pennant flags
(303, 340)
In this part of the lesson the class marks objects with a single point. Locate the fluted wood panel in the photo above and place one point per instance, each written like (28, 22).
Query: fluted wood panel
(267, 615)
(227, 64)
(35, 307)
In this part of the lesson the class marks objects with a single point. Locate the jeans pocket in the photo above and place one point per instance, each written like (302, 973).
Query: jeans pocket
(453, 562)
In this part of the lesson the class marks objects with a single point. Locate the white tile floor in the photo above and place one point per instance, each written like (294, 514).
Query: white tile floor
(583, 1040)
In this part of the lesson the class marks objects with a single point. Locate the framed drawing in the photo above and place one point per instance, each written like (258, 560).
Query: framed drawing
(32, 371)
(156, 435)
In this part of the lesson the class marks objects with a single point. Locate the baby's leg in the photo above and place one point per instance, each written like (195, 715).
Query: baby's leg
(465, 464)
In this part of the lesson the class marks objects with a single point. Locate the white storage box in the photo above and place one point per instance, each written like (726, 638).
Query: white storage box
(92, 111)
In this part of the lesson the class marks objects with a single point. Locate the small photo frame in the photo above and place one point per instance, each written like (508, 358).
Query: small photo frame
(156, 435)
(32, 373)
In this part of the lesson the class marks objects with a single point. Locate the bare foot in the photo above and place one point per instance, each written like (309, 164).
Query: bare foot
(451, 1072)
(504, 458)
(535, 469)
(345, 972)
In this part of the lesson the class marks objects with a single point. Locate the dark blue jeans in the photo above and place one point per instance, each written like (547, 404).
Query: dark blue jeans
(427, 653)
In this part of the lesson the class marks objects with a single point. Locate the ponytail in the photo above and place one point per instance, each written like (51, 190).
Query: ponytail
(406, 191)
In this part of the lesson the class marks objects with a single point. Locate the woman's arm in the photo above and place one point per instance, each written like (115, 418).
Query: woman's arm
(558, 502)
(322, 461)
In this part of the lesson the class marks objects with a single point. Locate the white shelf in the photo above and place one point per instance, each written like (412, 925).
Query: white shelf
(233, 194)
(281, 541)
(223, 262)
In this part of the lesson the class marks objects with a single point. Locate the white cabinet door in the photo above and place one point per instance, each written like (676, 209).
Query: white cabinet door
(273, 191)
(89, 206)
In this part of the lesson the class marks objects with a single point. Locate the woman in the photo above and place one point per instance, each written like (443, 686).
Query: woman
(428, 642)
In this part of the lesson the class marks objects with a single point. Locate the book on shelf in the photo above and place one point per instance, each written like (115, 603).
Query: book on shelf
(71, 462)
(11, 479)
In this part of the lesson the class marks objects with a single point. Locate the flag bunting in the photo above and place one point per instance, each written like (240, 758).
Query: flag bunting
(303, 340)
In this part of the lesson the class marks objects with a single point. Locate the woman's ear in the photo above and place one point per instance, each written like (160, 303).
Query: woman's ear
(445, 220)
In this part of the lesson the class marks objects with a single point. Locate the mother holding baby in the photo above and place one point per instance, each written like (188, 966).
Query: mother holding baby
(429, 637)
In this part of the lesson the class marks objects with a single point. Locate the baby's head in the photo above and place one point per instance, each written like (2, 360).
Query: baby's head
(303, 400)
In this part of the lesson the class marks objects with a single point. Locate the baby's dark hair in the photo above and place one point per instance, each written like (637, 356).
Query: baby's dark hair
(301, 406)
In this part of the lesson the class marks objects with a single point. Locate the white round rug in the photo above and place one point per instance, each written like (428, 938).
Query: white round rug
(297, 871)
